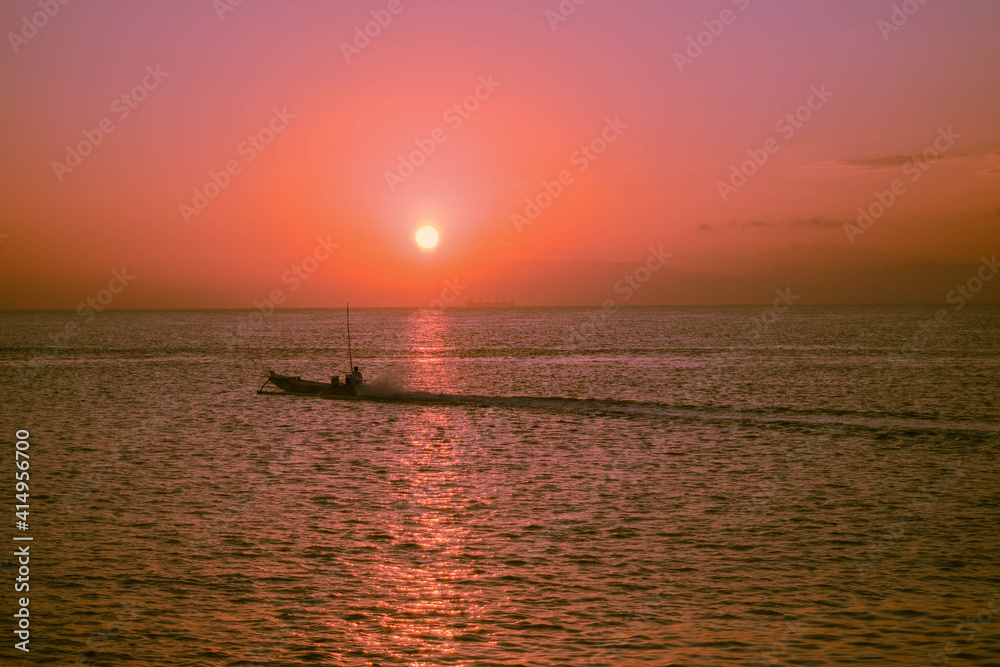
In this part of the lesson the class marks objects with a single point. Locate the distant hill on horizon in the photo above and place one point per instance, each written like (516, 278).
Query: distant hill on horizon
(816, 275)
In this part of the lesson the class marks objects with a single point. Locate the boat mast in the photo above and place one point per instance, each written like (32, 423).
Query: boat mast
(350, 355)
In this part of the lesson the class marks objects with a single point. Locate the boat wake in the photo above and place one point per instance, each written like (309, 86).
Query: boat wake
(664, 411)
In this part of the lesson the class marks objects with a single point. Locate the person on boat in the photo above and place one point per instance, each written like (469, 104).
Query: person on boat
(354, 380)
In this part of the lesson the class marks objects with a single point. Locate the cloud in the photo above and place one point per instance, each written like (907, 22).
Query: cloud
(991, 163)
(707, 228)
(819, 222)
(816, 222)
(879, 163)
(889, 162)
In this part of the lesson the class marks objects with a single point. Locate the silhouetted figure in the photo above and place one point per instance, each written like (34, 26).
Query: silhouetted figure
(355, 380)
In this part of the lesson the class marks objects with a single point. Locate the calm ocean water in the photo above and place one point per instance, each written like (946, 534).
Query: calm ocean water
(671, 486)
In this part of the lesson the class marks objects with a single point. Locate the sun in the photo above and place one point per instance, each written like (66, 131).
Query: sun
(427, 237)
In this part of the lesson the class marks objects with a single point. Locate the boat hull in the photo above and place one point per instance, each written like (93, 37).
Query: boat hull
(296, 385)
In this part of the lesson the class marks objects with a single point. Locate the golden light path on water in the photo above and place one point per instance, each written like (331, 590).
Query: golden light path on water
(422, 611)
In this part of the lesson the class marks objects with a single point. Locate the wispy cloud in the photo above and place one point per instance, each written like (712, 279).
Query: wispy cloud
(878, 163)
(818, 222)
(889, 162)
(991, 163)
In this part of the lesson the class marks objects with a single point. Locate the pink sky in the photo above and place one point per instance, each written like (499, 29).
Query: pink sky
(342, 123)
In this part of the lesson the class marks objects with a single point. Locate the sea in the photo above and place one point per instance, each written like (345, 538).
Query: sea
(522, 486)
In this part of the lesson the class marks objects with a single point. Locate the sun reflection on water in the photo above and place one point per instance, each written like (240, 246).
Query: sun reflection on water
(423, 578)
(431, 342)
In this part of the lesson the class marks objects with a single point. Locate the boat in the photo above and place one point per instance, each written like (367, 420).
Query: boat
(294, 384)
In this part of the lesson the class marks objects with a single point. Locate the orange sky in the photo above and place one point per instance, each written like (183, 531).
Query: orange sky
(200, 81)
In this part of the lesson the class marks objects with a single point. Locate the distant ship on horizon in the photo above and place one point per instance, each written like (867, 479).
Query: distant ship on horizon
(498, 303)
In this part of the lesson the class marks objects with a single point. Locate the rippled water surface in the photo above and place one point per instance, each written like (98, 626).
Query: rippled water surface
(667, 487)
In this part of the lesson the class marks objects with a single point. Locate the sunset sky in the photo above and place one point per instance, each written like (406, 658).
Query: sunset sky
(339, 111)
